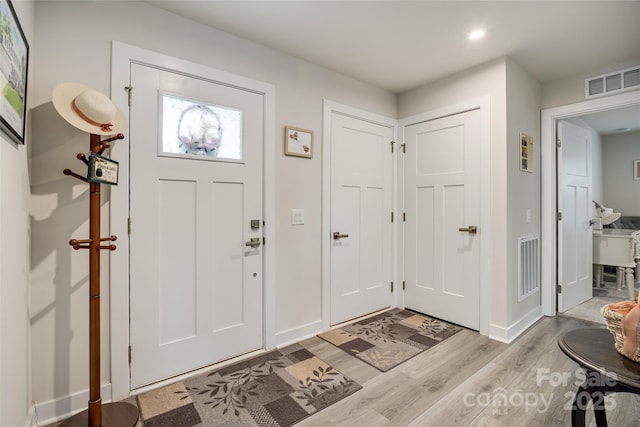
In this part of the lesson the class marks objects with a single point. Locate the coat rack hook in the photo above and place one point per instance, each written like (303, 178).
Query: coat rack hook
(103, 146)
(113, 138)
(83, 157)
(75, 175)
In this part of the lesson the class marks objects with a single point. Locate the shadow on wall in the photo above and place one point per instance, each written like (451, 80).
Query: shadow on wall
(59, 274)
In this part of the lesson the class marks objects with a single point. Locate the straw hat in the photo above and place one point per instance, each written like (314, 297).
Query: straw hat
(88, 110)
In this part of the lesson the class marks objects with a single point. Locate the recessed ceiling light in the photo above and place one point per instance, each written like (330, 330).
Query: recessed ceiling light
(476, 34)
(623, 129)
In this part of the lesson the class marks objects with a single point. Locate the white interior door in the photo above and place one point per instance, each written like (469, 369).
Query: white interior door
(195, 198)
(575, 238)
(361, 204)
(442, 206)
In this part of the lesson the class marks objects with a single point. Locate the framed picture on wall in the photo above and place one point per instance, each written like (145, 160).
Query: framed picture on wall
(14, 58)
(636, 170)
(526, 152)
(298, 142)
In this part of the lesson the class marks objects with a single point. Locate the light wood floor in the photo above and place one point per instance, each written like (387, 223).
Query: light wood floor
(460, 382)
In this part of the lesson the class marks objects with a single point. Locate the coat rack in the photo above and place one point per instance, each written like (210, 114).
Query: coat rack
(118, 414)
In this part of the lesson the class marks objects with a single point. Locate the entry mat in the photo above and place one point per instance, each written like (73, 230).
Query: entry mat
(390, 338)
(279, 388)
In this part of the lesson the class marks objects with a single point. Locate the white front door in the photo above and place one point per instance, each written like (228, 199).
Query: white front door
(442, 206)
(361, 204)
(575, 239)
(196, 289)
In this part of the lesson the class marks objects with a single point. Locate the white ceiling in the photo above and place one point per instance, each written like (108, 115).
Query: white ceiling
(615, 121)
(398, 45)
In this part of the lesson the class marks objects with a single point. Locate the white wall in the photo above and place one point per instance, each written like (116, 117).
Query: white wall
(597, 175)
(570, 89)
(15, 390)
(523, 188)
(59, 285)
(621, 191)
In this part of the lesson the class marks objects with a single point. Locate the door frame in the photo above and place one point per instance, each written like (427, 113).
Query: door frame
(483, 103)
(122, 55)
(548, 167)
(328, 108)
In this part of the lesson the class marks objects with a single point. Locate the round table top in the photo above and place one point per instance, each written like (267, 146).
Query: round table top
(593, 348)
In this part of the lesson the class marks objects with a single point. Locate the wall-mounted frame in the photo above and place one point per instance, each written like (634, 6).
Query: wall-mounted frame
(526, 152)
(636, 170)
(14, 59)
(298, 142)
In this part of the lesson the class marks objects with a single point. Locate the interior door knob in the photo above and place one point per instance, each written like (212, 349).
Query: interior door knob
(337, 235)
(472, 229)
(254, 242)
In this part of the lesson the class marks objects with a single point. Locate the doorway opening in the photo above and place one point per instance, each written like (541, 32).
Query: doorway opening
(550, 119)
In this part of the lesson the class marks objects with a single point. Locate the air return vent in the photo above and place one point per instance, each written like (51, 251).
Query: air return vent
(528, 266)
(618, 81)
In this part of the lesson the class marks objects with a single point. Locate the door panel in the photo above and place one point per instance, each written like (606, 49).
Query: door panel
(195, 185)
(442, 195)
(575, 240)
(177, 212)
(361, 204)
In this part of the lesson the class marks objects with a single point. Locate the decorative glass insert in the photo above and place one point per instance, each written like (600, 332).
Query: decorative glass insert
(198, 130)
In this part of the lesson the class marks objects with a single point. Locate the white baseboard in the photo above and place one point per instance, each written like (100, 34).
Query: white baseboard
(294, 335)
(507, 335)
(57, 410)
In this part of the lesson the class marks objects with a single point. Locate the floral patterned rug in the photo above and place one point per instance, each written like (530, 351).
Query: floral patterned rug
(388, 339)
(278, 388)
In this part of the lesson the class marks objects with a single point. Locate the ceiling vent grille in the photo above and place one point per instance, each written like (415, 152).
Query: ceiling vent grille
(619, 81)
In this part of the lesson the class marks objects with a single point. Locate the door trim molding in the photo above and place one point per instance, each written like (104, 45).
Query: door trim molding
(549, 119)
(122, 55)
(482, 103)
(328, 108)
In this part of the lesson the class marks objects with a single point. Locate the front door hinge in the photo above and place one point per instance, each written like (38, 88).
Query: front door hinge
(404, 148)
(264, 241)
(129, 226)
(392, 216)
(404, 285)
(404, 217)
(558, 216)
(128, 89)
(392, 287)
(392, 144)
(129, 355)
(558, 143)
(558, 289)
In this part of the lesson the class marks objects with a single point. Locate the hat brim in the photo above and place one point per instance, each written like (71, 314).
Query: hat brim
(63, 96)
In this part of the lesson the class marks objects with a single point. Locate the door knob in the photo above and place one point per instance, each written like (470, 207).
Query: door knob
(254, 242)
(472, 229)
(337, 235)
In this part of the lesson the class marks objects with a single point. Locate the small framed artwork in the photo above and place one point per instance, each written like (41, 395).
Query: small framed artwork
(13, 68)
(526, 152)
(636, 170)
(298, 142)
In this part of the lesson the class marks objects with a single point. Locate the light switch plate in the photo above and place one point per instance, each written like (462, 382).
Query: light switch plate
(297, 216)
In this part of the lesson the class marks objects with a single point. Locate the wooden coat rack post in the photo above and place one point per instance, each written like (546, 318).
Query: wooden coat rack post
(117, 414)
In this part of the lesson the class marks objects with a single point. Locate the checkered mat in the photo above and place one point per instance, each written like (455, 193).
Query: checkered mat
(278, 388)
(388, 339)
